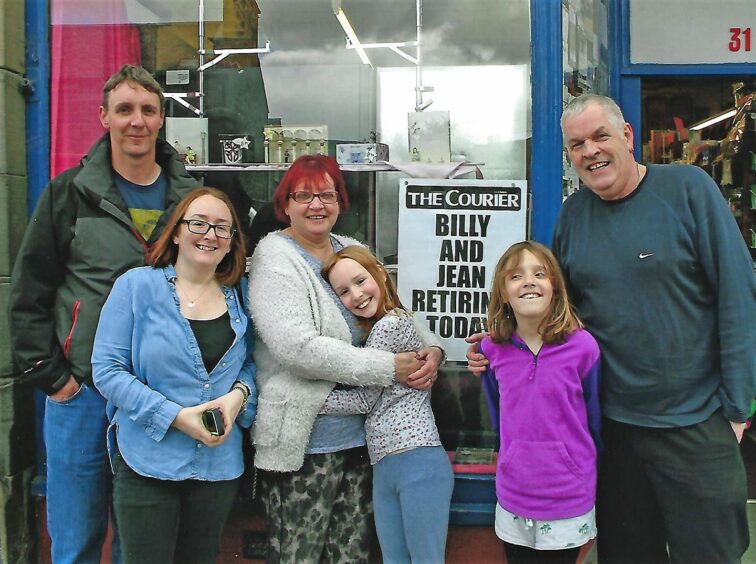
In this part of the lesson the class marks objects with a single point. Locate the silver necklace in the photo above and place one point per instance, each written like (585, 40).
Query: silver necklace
(191, 303)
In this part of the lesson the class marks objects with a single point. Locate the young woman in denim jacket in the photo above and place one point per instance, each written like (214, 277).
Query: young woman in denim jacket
(171, 344)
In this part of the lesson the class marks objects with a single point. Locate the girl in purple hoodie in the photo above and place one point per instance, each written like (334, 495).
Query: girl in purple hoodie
(542, 389)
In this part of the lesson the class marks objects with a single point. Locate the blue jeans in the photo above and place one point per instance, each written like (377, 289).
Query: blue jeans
(79, 478)
(411, 496)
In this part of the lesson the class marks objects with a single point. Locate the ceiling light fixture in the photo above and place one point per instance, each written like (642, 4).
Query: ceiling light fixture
(711, 121)
(396, 47)
(352, 40)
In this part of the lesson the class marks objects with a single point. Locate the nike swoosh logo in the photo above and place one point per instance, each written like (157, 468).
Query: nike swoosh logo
(645, 255)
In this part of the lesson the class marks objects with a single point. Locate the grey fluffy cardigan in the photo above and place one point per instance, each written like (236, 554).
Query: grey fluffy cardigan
(303, 348)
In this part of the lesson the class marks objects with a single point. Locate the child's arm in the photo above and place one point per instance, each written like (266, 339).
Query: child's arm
(591, 395)
(395, 333)
(491, 391)
(392, 333)
(351, 401)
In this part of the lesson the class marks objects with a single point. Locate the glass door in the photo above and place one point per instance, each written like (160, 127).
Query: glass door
(708, 122)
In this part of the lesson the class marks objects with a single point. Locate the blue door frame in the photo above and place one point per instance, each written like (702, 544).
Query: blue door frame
(37, 60)
(37, 31)
(546, 147)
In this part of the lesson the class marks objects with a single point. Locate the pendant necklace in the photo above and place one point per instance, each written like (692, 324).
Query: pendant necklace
(191, 303)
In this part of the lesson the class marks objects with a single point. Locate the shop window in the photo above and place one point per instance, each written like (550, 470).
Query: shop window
(283, 71)
(585, 62)
(708, 122)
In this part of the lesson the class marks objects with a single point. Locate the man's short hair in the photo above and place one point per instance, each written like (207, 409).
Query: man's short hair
(136, 75)
(578, 105)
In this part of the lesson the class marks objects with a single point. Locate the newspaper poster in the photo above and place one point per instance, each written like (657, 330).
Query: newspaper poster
(451, 235)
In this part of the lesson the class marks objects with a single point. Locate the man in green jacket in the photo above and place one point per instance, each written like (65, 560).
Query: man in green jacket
(92, 223)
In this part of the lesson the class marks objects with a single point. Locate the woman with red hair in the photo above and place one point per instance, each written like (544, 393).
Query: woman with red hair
(317, 480)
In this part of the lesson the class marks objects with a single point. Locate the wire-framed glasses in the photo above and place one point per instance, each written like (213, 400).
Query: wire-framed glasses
(200, 227)
(307, 197)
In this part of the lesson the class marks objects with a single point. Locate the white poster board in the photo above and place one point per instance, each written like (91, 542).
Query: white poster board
(451, 235)
(692, 31)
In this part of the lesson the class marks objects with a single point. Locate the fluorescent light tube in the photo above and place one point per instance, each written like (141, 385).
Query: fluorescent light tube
(712, 121)
(352, 36)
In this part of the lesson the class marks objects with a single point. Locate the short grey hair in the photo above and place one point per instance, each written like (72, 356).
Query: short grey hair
(578, 105)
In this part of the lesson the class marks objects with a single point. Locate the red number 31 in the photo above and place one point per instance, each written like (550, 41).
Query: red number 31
(736, 44)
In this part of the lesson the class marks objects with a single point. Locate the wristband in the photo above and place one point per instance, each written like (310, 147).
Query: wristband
(244, 391)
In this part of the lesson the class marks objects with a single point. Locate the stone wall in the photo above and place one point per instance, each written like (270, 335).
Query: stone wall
(16, 406)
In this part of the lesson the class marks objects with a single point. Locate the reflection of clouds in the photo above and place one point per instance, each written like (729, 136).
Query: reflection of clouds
(455, 32)
(310, 77)
(330, 55)
(341, 96)
(487, 105)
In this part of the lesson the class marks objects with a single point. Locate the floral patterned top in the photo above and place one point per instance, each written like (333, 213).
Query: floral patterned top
(399, 418)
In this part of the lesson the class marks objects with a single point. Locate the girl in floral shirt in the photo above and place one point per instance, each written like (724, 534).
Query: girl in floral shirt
(412, 477)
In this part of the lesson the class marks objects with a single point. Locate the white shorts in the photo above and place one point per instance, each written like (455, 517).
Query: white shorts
(545, 535)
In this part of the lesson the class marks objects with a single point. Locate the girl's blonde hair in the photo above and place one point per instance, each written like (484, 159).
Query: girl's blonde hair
(389, 298)
(561, 319)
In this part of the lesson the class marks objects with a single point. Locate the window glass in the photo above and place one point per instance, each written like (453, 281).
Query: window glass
(585, 62)
(265, 81)
(707, 122)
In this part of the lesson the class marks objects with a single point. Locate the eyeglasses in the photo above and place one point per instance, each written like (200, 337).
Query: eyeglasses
(200, 227)
(307, 197)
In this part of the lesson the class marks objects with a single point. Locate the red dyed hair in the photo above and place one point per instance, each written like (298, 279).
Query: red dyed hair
(308, 173)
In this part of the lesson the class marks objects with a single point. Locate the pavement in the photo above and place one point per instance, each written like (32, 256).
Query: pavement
(750, 556)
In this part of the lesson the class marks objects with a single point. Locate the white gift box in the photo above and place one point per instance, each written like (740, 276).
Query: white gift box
(361, 153)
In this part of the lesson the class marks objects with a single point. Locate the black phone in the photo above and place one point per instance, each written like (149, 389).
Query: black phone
(212, 419)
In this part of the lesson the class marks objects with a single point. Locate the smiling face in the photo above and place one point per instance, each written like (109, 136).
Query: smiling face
(355, 287)
(208, 250)
(600, 153)
(134, 119)
(313, 221)
(529, 289)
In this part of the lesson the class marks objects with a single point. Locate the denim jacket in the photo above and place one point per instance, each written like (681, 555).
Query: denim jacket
(147, 364)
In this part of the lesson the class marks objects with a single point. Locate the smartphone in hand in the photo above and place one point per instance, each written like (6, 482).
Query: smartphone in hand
(212, 419)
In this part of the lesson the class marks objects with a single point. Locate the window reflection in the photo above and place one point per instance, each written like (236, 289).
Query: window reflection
(475, 56)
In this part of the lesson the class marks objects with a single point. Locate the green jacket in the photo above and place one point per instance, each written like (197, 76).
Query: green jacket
(79, 240)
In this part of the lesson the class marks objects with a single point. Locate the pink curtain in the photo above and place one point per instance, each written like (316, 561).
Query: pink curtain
(89, 43)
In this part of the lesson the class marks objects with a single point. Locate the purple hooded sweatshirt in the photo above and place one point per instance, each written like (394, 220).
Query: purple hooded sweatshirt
(546, 409)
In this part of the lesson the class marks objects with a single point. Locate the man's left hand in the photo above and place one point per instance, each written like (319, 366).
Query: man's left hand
(476, 362)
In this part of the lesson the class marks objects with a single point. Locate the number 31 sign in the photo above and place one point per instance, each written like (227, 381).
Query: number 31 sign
(740, 39)
(687, 32)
